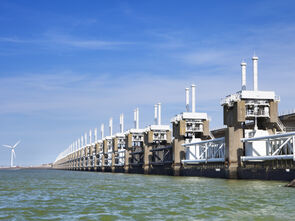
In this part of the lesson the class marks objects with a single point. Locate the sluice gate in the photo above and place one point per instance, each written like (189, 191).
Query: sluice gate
(256, 143)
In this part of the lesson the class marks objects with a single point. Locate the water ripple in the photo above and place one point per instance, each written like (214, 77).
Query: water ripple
(72, 195)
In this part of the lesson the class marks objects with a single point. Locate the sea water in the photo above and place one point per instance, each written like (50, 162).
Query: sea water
(75, 195)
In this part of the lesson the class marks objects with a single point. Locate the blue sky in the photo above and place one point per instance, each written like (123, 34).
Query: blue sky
(68, 66)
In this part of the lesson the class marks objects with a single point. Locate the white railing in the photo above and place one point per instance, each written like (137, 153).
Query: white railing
(287, 112)
(289, 129)
(277, 147)
(204, 151)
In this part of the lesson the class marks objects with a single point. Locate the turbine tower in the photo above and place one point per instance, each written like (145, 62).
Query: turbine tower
(12, 156)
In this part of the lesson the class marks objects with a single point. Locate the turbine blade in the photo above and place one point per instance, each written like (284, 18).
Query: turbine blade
(4, 145)
(17, 143)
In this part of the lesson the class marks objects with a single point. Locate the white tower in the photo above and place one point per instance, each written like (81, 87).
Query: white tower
(243, 69)
(193, 98)
(187, 99)
(255, 72)
(102, 131)
(111, 126)
(156, 113)
(159, 113)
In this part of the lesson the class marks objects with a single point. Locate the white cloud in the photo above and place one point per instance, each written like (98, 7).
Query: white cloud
(104, 95)
(206, 57)
(13, 40)
(86, 43)
(61, 41)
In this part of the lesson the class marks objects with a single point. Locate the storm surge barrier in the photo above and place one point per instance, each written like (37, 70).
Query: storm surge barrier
(253, 144)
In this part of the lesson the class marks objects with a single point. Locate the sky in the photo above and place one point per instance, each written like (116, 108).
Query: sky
(68, 66)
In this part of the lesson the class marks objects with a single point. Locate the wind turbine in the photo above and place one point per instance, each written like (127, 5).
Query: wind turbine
(12, 151)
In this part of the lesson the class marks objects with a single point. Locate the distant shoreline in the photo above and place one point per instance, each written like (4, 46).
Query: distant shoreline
(26, 168)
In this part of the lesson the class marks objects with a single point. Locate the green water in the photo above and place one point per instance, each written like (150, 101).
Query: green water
(71, 195)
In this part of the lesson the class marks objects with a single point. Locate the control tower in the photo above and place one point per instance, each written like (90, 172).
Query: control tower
(247, 114)
(188, 126)
(157, 143)
(134, 139)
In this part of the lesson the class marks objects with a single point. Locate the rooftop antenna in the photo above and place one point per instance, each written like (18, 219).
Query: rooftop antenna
(102, 131)
(12, 155)
(122, 123)
(243, 69)
(255, 72)
(90, 136)
(193, 98)
(82, 141)
(156, 113)
(85, 139)
(187, 99)
(111, 126)
(159, 113)
(137, 118)
(95, 135)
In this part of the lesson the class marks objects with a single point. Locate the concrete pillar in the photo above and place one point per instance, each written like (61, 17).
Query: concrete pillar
(128, 145)
(80, 160)
(127, 157)
(147, 159)
(178, 155)
(233, 149)
(73, 161)
(89, 158)
(104, 155)
(148, 139)
(95, 158)
(113, 162)
(115, 151)
(177, 148)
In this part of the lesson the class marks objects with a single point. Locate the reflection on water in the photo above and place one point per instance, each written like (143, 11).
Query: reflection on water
(70, 195)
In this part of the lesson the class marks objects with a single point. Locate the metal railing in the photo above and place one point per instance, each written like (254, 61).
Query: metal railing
(290, 129)
(205, 151)
(278, 147)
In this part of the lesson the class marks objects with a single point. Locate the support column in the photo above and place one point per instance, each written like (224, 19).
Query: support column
(105, 152)
(115, 151)
(148, 140)
(147, 159)
(178, 155)
(90, 166)
(128, 144)
(177, 148)
(233, 149)
(126, 161)
(96, 151)
(85, 158)
(80, 160)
